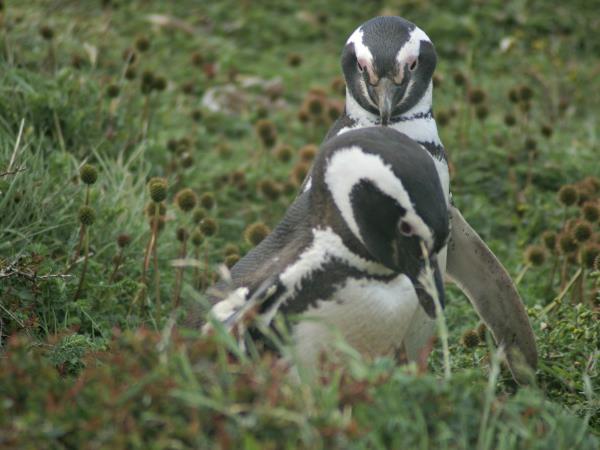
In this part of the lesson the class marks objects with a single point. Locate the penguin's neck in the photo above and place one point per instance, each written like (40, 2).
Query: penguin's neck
(417, 123)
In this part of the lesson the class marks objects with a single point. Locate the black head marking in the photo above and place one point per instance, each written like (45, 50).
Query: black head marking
(373, 209)
(384, 38)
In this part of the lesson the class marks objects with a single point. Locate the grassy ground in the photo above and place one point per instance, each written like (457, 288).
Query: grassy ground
(123, 86)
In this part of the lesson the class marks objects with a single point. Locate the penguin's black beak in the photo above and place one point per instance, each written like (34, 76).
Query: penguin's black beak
(385, 91)
(429, 283)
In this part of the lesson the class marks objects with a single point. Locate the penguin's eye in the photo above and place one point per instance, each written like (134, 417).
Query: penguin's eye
(406, 229)
(360, 67)
(413, 65)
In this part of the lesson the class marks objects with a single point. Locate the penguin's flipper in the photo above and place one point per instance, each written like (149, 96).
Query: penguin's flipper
(488, 286)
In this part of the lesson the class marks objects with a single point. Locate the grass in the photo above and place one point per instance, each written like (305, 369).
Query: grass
(106, 369)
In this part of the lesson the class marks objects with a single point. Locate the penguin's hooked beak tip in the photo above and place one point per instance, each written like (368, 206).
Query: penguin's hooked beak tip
(429, 284)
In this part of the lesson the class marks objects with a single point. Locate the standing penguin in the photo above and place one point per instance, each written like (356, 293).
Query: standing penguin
(358, 252)
(388, 65)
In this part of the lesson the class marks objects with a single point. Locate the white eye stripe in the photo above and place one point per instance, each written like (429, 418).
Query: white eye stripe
(412, 47)
(363, 54)
(347, 167)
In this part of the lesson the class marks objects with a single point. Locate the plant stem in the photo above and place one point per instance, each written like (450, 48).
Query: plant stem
(522, 274)
(179, 275)
(117, 265)
(558, 299)
(85, 264)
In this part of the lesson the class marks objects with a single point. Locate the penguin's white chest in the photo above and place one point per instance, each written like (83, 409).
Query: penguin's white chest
(372, 316)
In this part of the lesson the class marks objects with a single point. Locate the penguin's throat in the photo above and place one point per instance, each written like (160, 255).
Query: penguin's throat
(417, 123)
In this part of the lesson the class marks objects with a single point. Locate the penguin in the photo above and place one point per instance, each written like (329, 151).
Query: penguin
(388, 65)
(357, 254)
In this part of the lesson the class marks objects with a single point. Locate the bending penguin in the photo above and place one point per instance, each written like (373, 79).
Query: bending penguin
(358, 253)
(388, 65)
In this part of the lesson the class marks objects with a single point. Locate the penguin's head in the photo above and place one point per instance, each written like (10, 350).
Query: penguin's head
(388, 63)
(385, 198)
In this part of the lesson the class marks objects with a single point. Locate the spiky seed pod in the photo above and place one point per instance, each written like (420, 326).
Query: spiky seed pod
(591, 211)
(129, 55)
(308, 152)
(130, 73)
(87, 215)
(142, 43)
(46, 32)
(198, 214)
(513, 95)
(315, 105)
(303, 115)
(186, 199)
(172, 145)
(470, 338)
(147, 81)
(460, 79)
(207, 200)
(442, 118)
(151, 209)
(299, 172)
(592, 183)
(269, 189)
(535, 255)
(209, 226)
(255, 233)
(482, 331)
(197, 59)
(317, 92)
(236, 177)
(197, 237)
(481, 112)
(476, 96)
(525, 93)
(77, 61)
(158, 189)
(182, 234)
(123, 240)
(231, 249)
(588, 254)
(294, 59)
(88, 174)
(186, 160)
(159, 84)
(231, 260)
(509, 120)
(549, 240)
(566, 243)
(530, 144)
(582, 230)
(284, 153)
(597, 264)
(338, 86)
(334, 110)
(197, 115)
(266, 131)
(113, 90)
(568, 195)
(546, 130)
(437, 80)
